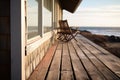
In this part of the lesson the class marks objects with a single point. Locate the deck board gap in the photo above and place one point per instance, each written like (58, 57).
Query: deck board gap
(61, 61)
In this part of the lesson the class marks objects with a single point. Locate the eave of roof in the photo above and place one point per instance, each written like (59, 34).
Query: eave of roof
(70, 5)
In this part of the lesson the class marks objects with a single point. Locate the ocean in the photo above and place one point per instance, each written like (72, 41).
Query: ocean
(103, 30)
(95, 30)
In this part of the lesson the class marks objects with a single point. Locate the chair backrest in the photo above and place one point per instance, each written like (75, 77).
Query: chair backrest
(64, 25)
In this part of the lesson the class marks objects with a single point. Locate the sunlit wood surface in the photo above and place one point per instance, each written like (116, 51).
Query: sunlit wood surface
(82, 60)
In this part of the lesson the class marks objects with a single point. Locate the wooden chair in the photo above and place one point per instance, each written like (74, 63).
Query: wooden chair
(65, 33)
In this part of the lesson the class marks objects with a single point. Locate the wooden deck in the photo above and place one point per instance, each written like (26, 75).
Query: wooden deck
(82, 60)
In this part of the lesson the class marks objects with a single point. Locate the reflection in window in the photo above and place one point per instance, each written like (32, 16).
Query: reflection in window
(32, 18)
(47, 15)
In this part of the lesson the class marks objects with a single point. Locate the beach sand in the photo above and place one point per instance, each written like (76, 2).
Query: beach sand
(110, 43)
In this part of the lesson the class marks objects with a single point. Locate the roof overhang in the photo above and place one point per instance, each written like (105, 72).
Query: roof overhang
(70, 5)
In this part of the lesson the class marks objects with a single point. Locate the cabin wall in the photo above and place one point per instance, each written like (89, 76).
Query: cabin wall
(34, 57)
(37, 50)
(5, 40)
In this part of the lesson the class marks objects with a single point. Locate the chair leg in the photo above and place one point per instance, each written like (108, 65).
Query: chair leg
(74, 37)
(67, 37)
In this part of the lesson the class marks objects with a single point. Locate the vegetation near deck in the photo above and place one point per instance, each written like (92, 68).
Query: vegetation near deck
(110, 43)
(77, 60)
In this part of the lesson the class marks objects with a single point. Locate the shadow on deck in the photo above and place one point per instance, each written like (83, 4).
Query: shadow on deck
(82, 60)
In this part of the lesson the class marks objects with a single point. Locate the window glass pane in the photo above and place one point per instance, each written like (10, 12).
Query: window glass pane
(32, 18)
(47, 15)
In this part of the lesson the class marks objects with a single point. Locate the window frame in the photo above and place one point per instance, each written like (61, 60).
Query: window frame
(41, 35)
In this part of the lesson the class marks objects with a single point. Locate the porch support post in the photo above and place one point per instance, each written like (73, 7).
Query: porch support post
(17, 39)
(40, 17)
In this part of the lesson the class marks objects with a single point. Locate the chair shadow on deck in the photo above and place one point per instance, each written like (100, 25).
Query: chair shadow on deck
(66, 33)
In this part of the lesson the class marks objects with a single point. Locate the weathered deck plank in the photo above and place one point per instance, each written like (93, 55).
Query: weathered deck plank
(66, 68)
(90, 68)
(54, 72)
(99, 65)
(42, 69)
(109, 60)
(82, 60)
(79, 71)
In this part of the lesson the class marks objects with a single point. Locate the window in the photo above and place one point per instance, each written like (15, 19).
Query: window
(32, 18)
(47, 22)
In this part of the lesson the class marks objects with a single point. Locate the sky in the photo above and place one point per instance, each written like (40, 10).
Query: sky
(32, 13)
(102, 13)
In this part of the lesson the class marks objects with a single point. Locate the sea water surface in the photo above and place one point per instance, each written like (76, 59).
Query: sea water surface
(103, 30)
(95, 30)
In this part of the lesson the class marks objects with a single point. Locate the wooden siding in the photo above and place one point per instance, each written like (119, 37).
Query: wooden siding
(33, 59)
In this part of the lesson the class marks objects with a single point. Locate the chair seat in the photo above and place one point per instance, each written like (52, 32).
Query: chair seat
(65, 33)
